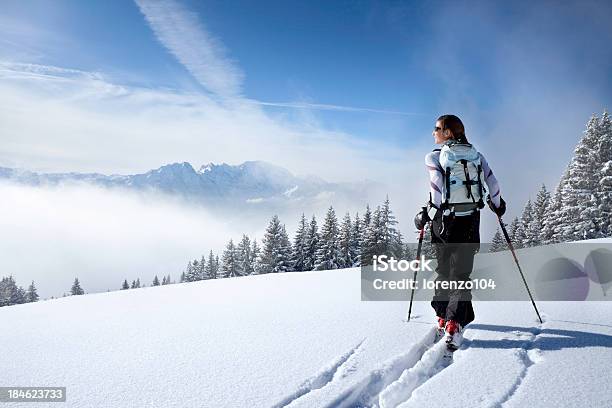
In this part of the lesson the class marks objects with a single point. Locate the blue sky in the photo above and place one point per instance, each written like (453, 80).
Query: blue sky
(378, 55)
(368, 77)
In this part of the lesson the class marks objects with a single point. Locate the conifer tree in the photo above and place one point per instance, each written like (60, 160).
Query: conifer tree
(521, 234)
(552, 232)
(192, 273)
(230, 266)
(312, 245)
(286, 249)
(604, 188)
(125, 285)
(255, 254)
(10, 293)
(300, 245)
(391, 237)
(498, 243)
(276, 253)
(356, 239)
(244, 256)
(32, 294)
(581, 183)
(210, 267)
(328, 255)
(367, 219)
(156, 281)
(76, 288)
(345, 243)
(202, 269)
(540, 206)
(513, 233)
(373, 243)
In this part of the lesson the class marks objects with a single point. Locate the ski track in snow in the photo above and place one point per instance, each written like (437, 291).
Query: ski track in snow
(431, 363)
(409, 370)
(393, 384)
(529, 354)
(335, 370)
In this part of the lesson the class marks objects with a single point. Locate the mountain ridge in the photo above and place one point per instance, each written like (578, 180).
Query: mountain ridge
(251, 182)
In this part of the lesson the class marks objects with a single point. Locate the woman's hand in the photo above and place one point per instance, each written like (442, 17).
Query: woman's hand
(501, 210)
(421, 219)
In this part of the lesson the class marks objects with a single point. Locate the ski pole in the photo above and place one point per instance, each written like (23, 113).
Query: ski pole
(418, 256)
(503, 227)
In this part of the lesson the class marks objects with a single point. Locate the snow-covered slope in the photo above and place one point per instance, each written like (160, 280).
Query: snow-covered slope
(301, 340)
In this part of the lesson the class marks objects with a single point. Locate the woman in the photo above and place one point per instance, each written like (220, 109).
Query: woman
(456, 175)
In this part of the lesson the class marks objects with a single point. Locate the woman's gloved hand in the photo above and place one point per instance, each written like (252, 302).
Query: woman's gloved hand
(421, 219)
(501, 210)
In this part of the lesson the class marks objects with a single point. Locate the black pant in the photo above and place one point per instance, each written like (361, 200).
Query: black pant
(456, 239)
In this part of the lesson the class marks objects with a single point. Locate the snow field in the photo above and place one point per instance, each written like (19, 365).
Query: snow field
(301, 340)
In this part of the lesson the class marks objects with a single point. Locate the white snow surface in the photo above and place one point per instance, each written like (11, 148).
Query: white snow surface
(301, 340)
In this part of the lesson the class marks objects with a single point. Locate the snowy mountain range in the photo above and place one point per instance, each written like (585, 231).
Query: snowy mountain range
(250, 183)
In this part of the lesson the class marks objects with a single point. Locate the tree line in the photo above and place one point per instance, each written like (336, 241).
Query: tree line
(336, 244)
(581, 207)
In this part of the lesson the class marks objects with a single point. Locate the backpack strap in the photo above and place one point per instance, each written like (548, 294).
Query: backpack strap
(447, 174)
(468, 182)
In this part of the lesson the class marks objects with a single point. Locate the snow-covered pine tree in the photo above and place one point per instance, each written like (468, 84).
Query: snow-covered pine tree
(300, 245)
(276, 251)
(604, 190)
(367, 220)
(210, 266)
(551, 232)
(344, 243)
(76, 288)
(217, 265)
(391, 237)
(21, 294)
(10, 293)
(374, 236)
(230, 265)
(328, 255)
(192, 273)
(513, 233)
(137, 282)
(522, 234)
(182, 277)
(497, 243)
(540, 206)
(286, 249)
(312, 245)
(168, 280)
(32, 294)
(155, 281)
(356, 238)
(579, 186)
(202, 268)
(125, 285)
(244, 256)
(255, 253)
